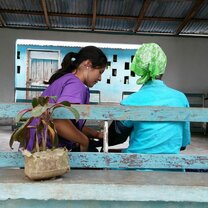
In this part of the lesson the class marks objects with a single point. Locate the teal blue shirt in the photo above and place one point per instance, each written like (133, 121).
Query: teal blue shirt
(157, 137)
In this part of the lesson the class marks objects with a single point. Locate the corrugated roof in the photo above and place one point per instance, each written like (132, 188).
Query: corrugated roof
(163, 27)
(196, 28)
(172, 17)
(174, 9)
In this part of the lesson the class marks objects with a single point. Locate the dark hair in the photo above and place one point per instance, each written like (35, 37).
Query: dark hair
(72, 60)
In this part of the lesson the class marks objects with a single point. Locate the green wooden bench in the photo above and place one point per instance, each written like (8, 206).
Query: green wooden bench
(98, 179)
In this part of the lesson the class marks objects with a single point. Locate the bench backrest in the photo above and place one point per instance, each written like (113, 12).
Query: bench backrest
(117, 112)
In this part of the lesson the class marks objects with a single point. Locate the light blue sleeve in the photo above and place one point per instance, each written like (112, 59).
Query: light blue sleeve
(186, 129)
(186, 134)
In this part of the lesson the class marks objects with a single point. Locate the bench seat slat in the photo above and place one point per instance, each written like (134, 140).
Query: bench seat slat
(118, 160)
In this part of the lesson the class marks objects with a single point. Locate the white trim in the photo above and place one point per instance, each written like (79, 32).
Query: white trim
(75, 44)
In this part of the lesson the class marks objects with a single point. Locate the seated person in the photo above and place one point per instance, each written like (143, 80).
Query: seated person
(79, 72)
(152, 137)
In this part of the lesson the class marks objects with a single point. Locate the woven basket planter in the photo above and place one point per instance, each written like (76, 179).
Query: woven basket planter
(46, 164)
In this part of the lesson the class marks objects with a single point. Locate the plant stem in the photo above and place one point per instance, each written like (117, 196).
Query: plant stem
(43, 141)
(37, 143)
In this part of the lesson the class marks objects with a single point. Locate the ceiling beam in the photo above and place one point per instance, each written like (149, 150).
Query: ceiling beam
(44, 7)
(94, 14)
(76, 15)
(190, 15)
(97, 16)
(167, 19)
(2, 22)
(142, 12)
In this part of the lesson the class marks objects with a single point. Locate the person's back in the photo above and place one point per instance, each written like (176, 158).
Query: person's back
(152, 137)
(157, 137)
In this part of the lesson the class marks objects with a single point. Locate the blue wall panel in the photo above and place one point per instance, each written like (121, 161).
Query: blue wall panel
(115, 80)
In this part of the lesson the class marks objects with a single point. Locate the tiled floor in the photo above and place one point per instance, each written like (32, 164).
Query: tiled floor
(199, 144)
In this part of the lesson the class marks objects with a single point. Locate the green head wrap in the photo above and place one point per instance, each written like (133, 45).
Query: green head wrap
(149, 62)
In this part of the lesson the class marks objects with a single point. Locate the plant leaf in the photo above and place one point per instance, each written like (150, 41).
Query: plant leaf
(65, 103)
(43, 100)
(45, 127)
(20, 135)
(56, 139)
(41, 126)
(34, 102)
(21, 114)
(26, 153)
(39, 110)
(54, 98)
(75, 112)
(37, 148)
(71, 109)
(52, 134)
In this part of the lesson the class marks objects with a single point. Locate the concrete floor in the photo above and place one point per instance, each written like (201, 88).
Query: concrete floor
(199, 144)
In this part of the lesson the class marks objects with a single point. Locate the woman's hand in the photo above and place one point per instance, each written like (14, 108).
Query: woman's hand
(91, 133)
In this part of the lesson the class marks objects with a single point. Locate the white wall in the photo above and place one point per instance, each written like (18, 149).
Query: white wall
(187, 57)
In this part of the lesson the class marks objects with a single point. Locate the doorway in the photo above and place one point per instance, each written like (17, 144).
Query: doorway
(41, 64)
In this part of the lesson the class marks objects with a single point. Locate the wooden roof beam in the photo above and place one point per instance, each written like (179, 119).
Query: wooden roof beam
(142, 12)
(44, 7)
(190, 15)
(97, 16)
(94, 14)
(2, 22)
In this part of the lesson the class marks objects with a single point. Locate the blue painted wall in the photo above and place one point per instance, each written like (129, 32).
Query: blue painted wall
(115, 80)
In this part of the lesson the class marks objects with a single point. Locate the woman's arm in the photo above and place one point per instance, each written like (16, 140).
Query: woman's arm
(67, 130)
(91, 133)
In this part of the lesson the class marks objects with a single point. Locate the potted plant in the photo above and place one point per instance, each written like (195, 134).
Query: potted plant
(42, 162)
